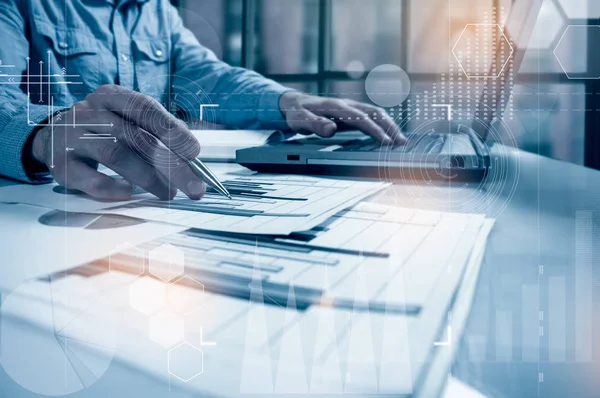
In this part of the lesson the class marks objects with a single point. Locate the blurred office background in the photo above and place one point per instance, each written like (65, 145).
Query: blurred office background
(329, 46)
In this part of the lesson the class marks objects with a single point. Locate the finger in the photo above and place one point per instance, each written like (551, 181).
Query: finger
(98, 121)
(136, 166)
(384, 120)
(83, 177)
(147, 113)
(129, 165)
(304, 120)
(355, 118)
(102, 122)
(175, 173)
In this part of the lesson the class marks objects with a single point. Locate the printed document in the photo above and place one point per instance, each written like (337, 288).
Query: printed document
(261, 204)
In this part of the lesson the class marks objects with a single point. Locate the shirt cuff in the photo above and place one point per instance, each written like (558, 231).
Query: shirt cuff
(269, 113)
(16, 163)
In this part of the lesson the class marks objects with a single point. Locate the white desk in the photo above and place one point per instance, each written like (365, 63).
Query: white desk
(536, 225)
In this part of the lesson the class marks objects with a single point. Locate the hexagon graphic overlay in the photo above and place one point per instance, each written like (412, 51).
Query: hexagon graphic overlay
(147, 295)
(568, 51)
(166, 328)
(482, 51)
(186, 362)
(166, 262)
(185, 295)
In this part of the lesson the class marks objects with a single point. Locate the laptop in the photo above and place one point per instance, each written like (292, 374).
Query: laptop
(445, 148)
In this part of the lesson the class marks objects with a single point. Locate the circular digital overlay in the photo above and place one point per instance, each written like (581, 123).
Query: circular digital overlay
(185, 101)
(56, 340)
(439, 181)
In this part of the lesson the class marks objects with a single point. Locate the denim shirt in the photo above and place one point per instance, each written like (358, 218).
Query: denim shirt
(56, 52)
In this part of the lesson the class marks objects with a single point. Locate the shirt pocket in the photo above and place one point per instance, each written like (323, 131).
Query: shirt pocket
(152, 67)
(76, 52)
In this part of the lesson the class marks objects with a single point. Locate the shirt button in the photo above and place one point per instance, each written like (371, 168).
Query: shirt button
(125, 57)
(63, 44)
(159, 53)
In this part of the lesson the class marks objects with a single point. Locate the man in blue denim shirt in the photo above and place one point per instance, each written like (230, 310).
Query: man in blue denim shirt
(88, 82)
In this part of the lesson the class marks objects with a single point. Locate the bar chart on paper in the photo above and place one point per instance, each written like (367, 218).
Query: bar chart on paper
(260, 204)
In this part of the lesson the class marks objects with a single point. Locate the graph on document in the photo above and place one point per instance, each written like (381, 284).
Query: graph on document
(260, 204)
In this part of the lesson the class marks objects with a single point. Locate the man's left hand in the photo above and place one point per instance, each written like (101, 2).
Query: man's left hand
(324, 116)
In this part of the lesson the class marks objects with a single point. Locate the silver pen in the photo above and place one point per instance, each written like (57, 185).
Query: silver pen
(204, 173)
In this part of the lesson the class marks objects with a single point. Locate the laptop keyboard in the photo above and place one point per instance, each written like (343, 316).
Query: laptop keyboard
(427, 143)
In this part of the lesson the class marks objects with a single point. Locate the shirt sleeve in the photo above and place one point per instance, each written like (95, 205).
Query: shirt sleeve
(18, 117)
(245, 98)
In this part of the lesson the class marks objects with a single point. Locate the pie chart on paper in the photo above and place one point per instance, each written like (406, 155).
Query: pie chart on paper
(56, 338)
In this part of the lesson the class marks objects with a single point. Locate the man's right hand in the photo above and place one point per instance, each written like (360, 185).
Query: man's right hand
(143, 130)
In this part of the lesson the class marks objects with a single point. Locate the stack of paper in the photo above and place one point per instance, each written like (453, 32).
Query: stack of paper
(367, 264)
(356, 295)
